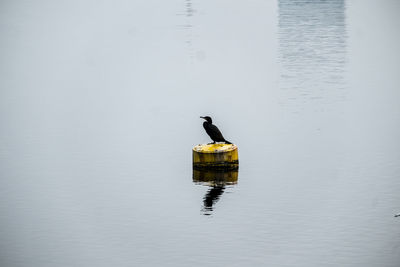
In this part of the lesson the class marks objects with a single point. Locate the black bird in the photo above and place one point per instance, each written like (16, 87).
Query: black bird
(213, 131)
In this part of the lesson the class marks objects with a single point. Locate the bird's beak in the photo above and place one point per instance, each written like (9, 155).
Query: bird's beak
(201, 117)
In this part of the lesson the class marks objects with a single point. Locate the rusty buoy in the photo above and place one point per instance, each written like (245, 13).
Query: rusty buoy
(215, 157)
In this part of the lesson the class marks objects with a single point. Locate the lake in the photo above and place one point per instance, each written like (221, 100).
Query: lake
(100, 106)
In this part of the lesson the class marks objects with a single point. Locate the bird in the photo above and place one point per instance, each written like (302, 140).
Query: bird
(213, 131)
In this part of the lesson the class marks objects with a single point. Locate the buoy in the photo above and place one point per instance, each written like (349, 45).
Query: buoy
(215, 157)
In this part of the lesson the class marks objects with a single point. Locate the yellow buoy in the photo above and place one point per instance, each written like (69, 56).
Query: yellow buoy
(216, 156)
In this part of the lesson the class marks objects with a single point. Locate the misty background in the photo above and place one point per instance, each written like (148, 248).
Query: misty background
(99, 110)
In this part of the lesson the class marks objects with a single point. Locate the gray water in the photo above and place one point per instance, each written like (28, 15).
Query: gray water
(100, 106)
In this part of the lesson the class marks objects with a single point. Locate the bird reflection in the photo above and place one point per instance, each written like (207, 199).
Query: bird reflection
(211, 198)
(217, 181)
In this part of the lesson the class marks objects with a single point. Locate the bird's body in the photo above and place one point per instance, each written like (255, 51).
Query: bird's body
(213, 131)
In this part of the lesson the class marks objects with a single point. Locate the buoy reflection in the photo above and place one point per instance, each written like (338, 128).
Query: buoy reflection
(217, 181)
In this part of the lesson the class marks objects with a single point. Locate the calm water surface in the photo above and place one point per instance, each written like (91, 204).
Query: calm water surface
(100, 106)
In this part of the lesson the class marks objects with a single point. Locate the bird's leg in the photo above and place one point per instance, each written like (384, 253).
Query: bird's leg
(211, 143)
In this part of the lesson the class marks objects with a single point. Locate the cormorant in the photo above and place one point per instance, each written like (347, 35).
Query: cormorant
(213, 131)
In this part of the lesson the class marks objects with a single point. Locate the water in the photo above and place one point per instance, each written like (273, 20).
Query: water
(100, 106)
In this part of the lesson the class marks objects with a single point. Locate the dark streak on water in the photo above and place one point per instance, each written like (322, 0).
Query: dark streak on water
(188, 26)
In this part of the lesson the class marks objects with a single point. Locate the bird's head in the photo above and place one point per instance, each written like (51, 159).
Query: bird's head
(207, 118)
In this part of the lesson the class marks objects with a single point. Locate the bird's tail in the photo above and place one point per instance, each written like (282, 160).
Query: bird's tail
(227, 142)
